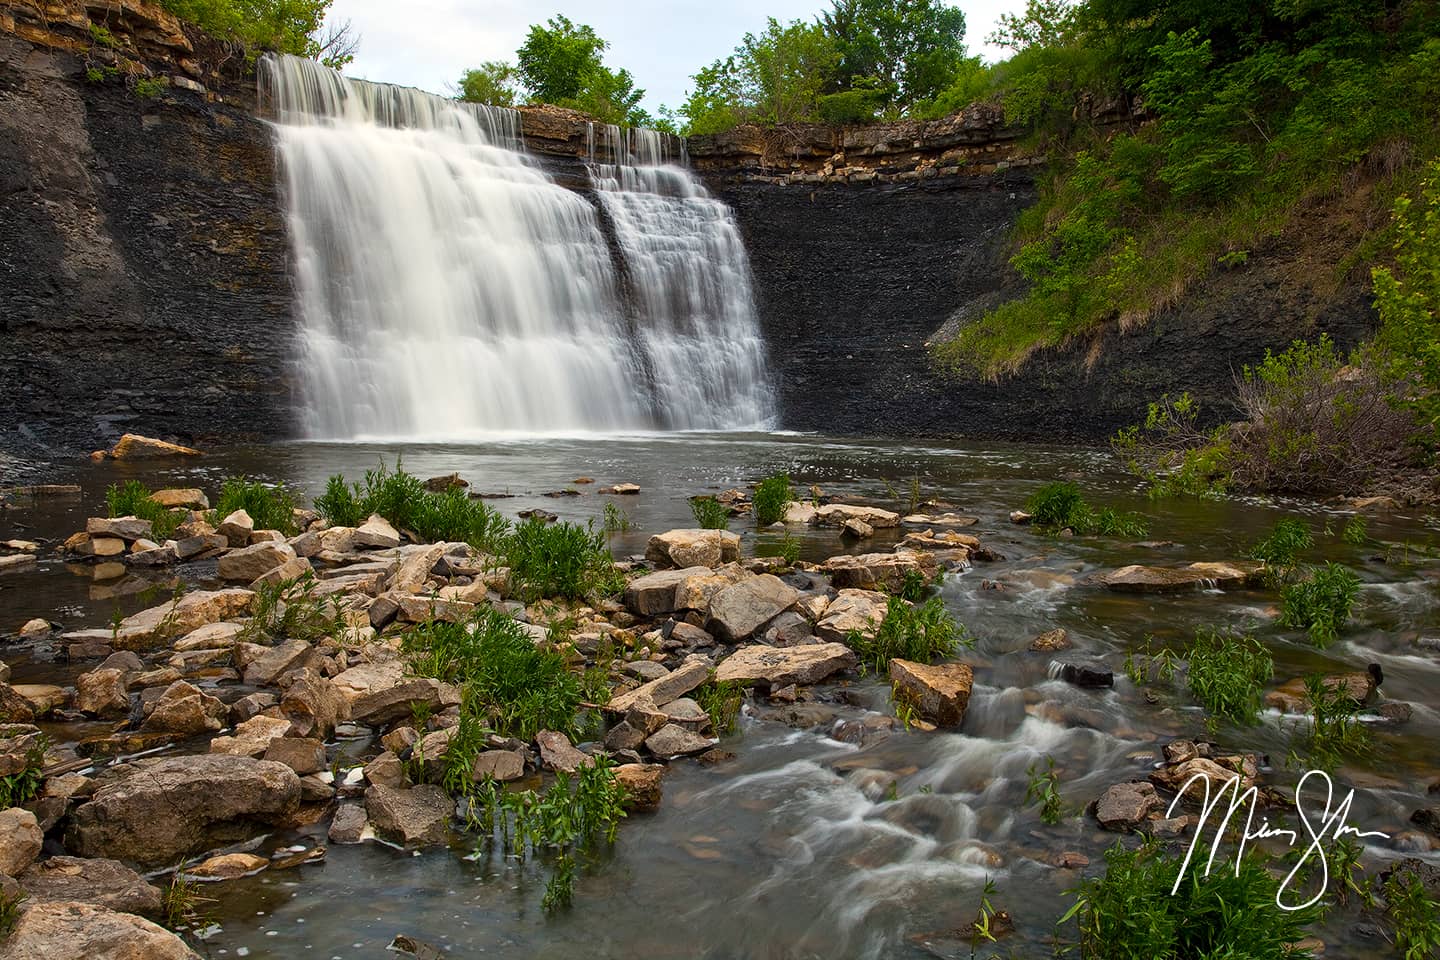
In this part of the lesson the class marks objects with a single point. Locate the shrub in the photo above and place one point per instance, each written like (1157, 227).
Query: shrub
(1280, 549)
(1059, 506)
(1320, 604)
(1227, 674)
(848, 106)
(453, 516)
(270, 507)
(132, 499)
(1173, 453)
(722, 701)
(508, 683)
(559, 560)
(772, 496)
(1414, 913)
(1335, 731)
(342, 504)
(401, 498)
(710, 514)
(921, 632)
(394, 494)
(147, 88)
(1130, 914)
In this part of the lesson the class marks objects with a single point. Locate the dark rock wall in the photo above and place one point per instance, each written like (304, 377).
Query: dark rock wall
(143, 275)
(852, 280)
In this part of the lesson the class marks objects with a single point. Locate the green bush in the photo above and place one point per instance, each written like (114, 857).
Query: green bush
(1227, 674)
(772, 496)
(848, 106)
(508, 683)
(1059, 506)
(922, 632)
(342, 504)
(1130, 914)
(1173, 453)
(270, 507)
(710, 514)
(1335, 732)
(1320, 604)
(287, 26)
(559, 560)
(722, 701)
(453, 516)
(132, 499)
(401, 498)
(1280, 549)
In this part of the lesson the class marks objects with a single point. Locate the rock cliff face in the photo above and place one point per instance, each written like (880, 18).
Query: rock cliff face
(143, 280)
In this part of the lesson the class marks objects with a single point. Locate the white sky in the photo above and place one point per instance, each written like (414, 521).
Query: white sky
(430, 43)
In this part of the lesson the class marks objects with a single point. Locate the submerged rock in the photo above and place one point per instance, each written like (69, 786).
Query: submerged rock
(1138, 578)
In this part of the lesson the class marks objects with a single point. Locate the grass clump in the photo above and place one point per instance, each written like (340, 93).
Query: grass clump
(291, 610)
(19, 788)
(508, 683)
(772, 496)
(1414, 914)
(1281, 548)
(1060, 506)
(132, 499)
(401, 498)
(270, 507)
(1130, 914)
(922, 632)
(1335, 732)
(559, 560)
(722, 700)
(1321, 604)
(1044, 789)
(1227, 674)
(709, 513)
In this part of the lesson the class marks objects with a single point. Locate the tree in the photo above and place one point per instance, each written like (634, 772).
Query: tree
(773, 78)
(1045, 23)
(288, 26)
(493, 82)
(908, 51)
(561, 63)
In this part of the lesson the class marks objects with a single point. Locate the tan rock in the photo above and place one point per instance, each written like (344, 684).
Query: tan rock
(780, 666)
(251, 738)
(20, 840)
(852, 610)
(642, 785)
(836, 514)
(654, 593)
(228, 866)
(672, 686)
(1137, 578)
(236, 528)
(376, 532)
(132, 446)
(123, 528)
(188, 498)
(248, 563)
(103, 693)
(939, 693)
(871, 571)
(178, 617)
(742, 608)
(693, 548)
(67, 930)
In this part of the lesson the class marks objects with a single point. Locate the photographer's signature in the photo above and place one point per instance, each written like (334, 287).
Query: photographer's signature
(1330, 826)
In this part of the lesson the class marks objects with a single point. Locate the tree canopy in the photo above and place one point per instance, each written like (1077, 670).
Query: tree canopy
(286, 26)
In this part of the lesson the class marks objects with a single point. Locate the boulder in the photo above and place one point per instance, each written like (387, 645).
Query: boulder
(673, 740)
(248, 564)
(939, 693)
(185, 711)
(797, 511)
(349, 824)
(693, 548)
(20, 840)
(642, 785)
(236, 528)
(695, 593)
(854, 529)
(1138, 578)
(192, 611)
(366, 678)
(311, 703)
(781, 666)
(208, 800)
(1087, 673)
(212, 636)
(837, 514)
(742, 608)
(787, 630)
(376, 532)
(559, 754)
(103, 883)
(878, 571)
(415, 568)
(673, 685)
(386, 770)
(202, 544)
(124, 528)
(304, 755)
(188, 498)
(381, 707)
(853, 610)
(279, 659)
(17, 561)
(103, 693)
(251, 738)
(86, 545)
(228, 866)
(1052, 641)
(132, 446)
(418, 816)
(654, 593)
(67, 930)
(419, 608)
(502, 766)
(42, 697)
(1125, 806)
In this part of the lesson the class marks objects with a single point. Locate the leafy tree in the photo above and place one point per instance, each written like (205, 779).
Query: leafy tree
(773, 78)
(906, 50)
(286, 26)
(493, 82)
(561, 63)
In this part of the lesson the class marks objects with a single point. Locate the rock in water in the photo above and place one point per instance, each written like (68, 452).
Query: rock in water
(1125, 805)
(781, 666)
(1223, 576)
(738, 611)
(939, 693)
(132, 446)
(104, 883)
(419, 816)
(83, 931)
(209, 800)
(693, 548)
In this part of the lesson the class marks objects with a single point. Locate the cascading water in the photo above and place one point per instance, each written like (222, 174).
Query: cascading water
(449, 288)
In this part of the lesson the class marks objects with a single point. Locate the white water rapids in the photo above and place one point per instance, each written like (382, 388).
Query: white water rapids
(449, 288)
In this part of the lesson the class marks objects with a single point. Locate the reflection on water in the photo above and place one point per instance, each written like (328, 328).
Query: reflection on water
(807, 844)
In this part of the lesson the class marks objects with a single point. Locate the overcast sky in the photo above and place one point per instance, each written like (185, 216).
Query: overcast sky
(429, 43)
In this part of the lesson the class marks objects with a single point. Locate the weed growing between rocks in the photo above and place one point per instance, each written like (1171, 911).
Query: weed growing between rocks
(559, 560)
(1281, 548)
(401, 498)
(1060, 506)
(921, 632)
(1414, 915)
(290, 610)
(772, 496)
(132, 499)
(1320, 605)
(10, 913)
(181, 902)
(722, 701)
(23, 786)
(1044, 789)
(270, 507)
(1335, 732)
(1227, 674)
(1130, 914)
(915, 586)
(709, 513)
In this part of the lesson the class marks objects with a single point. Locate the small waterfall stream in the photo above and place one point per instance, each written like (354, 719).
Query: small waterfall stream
(448, 288)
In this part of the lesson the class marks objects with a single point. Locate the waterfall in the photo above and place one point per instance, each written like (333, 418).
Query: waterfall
(448, 287)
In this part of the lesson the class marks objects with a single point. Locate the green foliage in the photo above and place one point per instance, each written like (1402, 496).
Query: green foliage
(102, 36)
(1354, 532)
(132, 499)
(1172, 453)
(562, 63)
(508, 683)
(10, 912)
(848, 106)
(19, 788)
(493, 82)
(1044, 789)
(922, 632)
(914, 586)
(1228, 674)
(291, 610)
(181, 902)
(722, 701)
(1335, 732)
(772, 496)
(710, 514)
(1320, 604)
(1060, 506)
(342, 504)
(616, 520)
(905, 52)
(1414, 914)
(453, 516)
(270, 507)
(1280, 549)
(774, 78)
(1407, 298)
(559, 560)
(787, 549)
(148, 88)
(1130, 914)
(285, 26)
(401, 498)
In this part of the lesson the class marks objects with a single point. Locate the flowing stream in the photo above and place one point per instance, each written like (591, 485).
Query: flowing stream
(448, 287)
